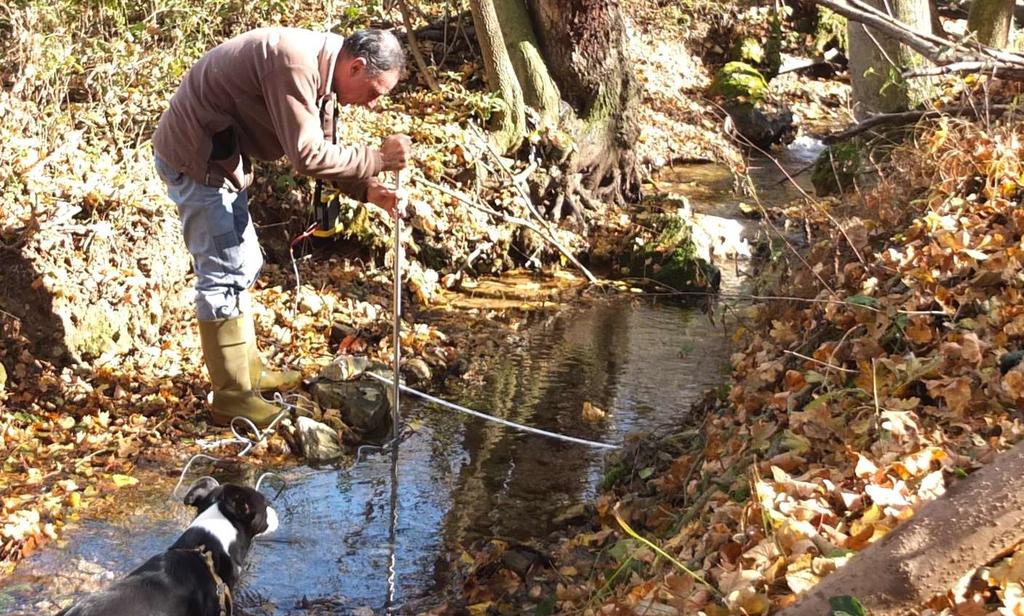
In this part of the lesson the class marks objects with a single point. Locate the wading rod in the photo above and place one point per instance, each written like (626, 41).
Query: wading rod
(397, 303)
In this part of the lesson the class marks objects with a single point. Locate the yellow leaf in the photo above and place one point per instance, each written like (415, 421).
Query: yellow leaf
(800, 581)
(479, 609)
(592, 412)
(122, 481)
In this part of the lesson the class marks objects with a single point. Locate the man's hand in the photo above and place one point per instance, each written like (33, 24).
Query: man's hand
(385, 197)
(395, 152)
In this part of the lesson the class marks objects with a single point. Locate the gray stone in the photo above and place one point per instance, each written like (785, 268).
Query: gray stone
(364, 404)
(416, 370)
(761, 128)
(345, 368)
(319, 443)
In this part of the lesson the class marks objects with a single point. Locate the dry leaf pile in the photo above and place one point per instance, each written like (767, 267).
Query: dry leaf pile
(853, 403)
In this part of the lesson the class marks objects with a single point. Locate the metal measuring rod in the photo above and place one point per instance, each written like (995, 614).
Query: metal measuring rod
(397, 303)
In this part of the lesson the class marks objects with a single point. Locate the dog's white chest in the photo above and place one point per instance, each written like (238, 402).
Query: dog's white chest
(214, 522)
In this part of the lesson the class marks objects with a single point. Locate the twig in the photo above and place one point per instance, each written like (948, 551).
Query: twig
(955, 68)
(903, 117)
(818, 361)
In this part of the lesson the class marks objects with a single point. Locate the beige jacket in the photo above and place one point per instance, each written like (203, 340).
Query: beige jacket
(258, 96)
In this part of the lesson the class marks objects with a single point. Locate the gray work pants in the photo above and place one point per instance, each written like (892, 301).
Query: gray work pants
(222, 239)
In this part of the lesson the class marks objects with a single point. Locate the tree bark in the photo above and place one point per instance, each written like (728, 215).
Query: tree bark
(539, 89)
(501, 76)
(991, 21)
(978, 519)
(877, 62)
(584, 44)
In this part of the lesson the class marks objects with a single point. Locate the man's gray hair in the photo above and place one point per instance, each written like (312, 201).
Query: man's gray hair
(380, 49)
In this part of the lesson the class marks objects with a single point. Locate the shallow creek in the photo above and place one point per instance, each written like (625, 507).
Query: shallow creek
(460, 479)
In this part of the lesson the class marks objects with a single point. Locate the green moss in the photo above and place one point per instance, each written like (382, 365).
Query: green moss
(748, 50)
(836, 167)
(740, 81)
(671, 257)
(831, 28)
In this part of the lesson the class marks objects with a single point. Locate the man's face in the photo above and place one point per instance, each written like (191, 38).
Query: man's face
(356, 86)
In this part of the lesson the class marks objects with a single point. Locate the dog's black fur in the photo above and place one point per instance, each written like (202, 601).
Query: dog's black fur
(179, 582)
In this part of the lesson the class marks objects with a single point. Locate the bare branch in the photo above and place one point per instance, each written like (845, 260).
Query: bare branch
(964, 56)
(905, 117)
(414, 47)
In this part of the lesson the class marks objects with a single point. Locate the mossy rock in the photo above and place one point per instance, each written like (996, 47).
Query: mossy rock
(671, 257)
(682, 269)
(836, 167)
(740, 82)
(434, 256)
(747, 50)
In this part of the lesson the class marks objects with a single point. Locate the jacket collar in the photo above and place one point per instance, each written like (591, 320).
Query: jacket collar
(328, 59)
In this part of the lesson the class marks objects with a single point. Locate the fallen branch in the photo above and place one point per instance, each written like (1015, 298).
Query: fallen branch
(937, 49)
(904, 117)
(956, 68)
(979, 518)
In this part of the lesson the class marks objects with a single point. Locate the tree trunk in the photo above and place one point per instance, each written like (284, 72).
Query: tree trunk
(539, 90)
(584, 44)
(980, 518)
(876, 61)
(501, 76)
(991, 21)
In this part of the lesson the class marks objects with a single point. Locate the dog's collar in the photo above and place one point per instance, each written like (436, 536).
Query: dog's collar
(224, 600)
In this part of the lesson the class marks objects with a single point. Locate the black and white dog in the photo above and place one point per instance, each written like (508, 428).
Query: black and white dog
(195, 576)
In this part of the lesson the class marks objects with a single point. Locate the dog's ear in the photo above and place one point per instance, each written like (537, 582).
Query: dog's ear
(198, 495)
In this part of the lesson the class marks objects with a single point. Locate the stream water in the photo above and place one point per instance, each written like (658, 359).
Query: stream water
(459, 479)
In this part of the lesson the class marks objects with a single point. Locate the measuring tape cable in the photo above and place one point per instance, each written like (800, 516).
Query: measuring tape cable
(485, 416)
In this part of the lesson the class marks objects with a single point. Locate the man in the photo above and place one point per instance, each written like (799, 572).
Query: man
(261, 96)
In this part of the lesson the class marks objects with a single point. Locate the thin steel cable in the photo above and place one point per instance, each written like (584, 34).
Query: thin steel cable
(485, 416)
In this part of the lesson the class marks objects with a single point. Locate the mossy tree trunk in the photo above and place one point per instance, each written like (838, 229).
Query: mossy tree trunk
(584, 43)
(575, 49)
(539, 89)
(501, 76)
(991, 21)
(877, 61)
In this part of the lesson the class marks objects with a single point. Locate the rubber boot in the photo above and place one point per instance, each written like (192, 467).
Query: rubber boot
(260, 376)
(226, 350)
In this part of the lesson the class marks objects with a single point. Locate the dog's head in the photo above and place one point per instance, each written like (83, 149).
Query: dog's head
(245, 508)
